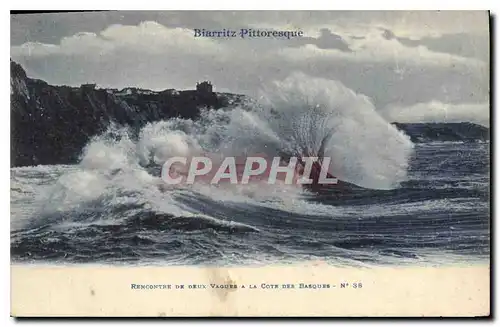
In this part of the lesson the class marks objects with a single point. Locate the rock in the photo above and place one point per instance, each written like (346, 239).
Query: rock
(428, 132)
(52, 124)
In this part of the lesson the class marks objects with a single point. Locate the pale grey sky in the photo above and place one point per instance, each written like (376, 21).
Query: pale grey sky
(403, 61)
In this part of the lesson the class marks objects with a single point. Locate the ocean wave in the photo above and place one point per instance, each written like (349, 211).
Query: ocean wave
(114, 206)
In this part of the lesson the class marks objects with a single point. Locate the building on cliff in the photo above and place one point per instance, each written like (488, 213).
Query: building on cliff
(204, 87)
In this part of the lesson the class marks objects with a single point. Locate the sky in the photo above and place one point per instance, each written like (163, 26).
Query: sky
(414, 66)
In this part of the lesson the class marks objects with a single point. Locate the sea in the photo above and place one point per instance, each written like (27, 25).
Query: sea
(415, 203)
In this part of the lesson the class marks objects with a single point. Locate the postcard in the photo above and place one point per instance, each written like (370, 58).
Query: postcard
(250, 164)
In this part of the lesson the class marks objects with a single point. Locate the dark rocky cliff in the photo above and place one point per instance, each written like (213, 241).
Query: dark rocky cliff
(52, 124)
(428, 132)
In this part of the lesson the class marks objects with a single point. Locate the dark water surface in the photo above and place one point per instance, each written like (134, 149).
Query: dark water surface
(440, 215)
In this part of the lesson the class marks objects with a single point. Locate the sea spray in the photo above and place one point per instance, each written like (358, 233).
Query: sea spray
(299, 116)
(365, 149)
